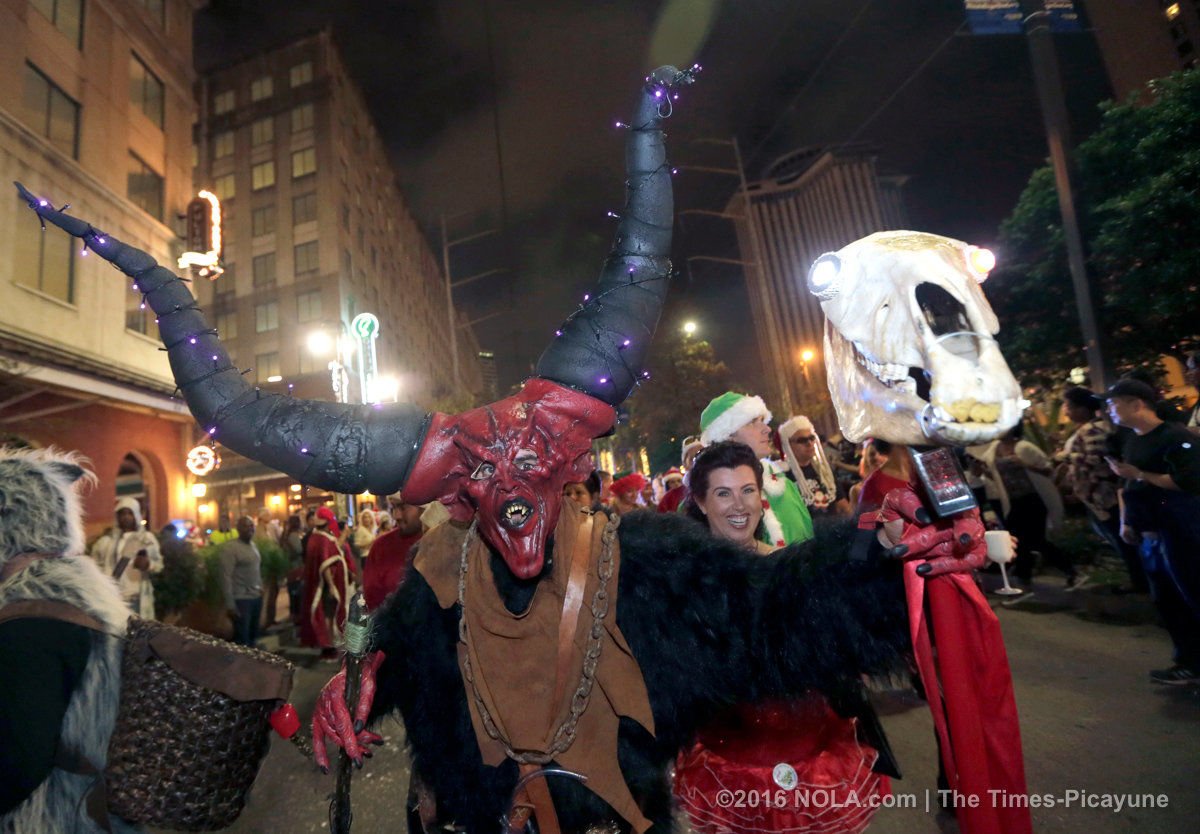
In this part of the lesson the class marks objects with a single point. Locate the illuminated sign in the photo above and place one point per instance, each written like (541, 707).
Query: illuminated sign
(204, 236)
(365, 326)
(202, 460)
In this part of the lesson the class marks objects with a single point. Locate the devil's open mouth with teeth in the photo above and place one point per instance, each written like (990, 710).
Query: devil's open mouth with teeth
(909, 341)
(516, 513)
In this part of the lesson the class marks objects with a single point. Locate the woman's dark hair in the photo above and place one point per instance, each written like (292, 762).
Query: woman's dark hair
(1083, 397)
(293, 523)
(728, 454)
(881, 446)
(593, 484)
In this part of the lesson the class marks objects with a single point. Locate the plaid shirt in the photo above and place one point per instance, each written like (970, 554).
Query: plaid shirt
(1087, 472)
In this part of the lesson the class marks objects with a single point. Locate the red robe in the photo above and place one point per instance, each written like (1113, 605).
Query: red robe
(968, 683)
(386, 566)
(328, 585)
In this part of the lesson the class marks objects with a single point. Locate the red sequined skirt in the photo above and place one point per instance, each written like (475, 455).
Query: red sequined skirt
(794, 767)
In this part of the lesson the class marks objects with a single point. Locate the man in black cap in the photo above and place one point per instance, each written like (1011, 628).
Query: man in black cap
(1086, 472)
(1160, 508)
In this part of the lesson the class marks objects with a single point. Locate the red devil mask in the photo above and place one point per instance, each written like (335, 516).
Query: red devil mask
(507, 462)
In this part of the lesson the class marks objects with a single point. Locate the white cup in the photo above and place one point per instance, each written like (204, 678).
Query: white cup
(999, 546)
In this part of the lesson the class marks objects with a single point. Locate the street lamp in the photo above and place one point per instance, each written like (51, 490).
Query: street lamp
(689, 328)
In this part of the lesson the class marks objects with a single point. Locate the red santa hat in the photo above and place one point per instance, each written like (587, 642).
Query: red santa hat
(629, 486)
(325, 518)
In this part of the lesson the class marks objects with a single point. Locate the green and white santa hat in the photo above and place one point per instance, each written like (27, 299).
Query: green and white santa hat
(728, 413)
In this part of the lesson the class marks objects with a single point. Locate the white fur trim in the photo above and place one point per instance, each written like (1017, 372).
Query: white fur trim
(773, 480)
(733, 418)
(773, 527)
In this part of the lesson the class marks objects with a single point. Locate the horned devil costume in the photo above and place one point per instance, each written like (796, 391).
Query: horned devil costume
(530, 637)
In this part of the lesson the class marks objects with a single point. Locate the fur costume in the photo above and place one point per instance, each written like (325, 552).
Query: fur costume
(39, 513)
(708, 624)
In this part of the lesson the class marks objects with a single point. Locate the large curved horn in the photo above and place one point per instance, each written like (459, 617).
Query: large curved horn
(600, 349)
(344, 448)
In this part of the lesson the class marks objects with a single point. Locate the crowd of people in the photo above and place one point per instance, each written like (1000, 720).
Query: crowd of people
(1130, 463)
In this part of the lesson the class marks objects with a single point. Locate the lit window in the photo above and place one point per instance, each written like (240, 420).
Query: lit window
(1172, 11)
(262, 220)
(224, 189)
(262, 131)
(307, 258)
(304, 208)
(45, 263)
(51, 113)
(262, 175)
(266, 365)
(261, 88)
(308, 307)
(301, 74)
(137, 317)
(302, 117)
(223, 144)
(144, 187)
(145, 90)
(224, 102)
(264, 270)
(266, 317)
(227, 326)
(304, 162)
(66, 15)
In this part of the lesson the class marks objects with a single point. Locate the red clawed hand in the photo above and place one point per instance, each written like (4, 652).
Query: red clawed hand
(331, 719)
(947, 546)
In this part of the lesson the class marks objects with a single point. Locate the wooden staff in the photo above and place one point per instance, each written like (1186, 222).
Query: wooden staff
(358, 634)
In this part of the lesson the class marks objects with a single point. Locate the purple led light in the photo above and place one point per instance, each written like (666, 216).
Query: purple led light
(83, 252)
(192, 340)
(557, 332)
(304, 451)
(603, 380)
(137, 288)
(587, 296)
(215, 359)
(645, 374)
(674, 170)
(43, 203)
(212, 430)
(142, 305)
(658, 93)
(626, 343)
(101, 241)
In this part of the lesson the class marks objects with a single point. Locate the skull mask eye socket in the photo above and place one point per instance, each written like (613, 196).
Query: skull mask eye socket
(483, 471)
(823, 276)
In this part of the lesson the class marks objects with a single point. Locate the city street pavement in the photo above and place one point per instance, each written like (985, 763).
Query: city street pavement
(1091, 722)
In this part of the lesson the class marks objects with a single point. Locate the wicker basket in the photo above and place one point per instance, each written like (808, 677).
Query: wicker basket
(192, 728)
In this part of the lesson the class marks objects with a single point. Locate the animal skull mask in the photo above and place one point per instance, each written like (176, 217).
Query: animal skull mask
(910, 348)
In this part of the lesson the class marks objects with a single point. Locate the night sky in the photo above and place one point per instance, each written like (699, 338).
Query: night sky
(957, 114)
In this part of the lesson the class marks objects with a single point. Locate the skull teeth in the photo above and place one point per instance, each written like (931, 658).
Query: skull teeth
(892, 374)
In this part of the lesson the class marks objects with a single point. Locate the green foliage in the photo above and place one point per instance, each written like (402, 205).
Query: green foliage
(212, 594)
(181, 580)
(684, 376)
(1138, 179)
(274, 560)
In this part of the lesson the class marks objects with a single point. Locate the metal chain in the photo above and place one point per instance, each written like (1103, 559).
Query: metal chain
(565, 734)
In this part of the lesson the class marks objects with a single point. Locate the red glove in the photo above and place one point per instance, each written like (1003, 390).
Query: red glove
(331, 718)
(948, 546)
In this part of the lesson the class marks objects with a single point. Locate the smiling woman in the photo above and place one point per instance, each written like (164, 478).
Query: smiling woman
(726, 484)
